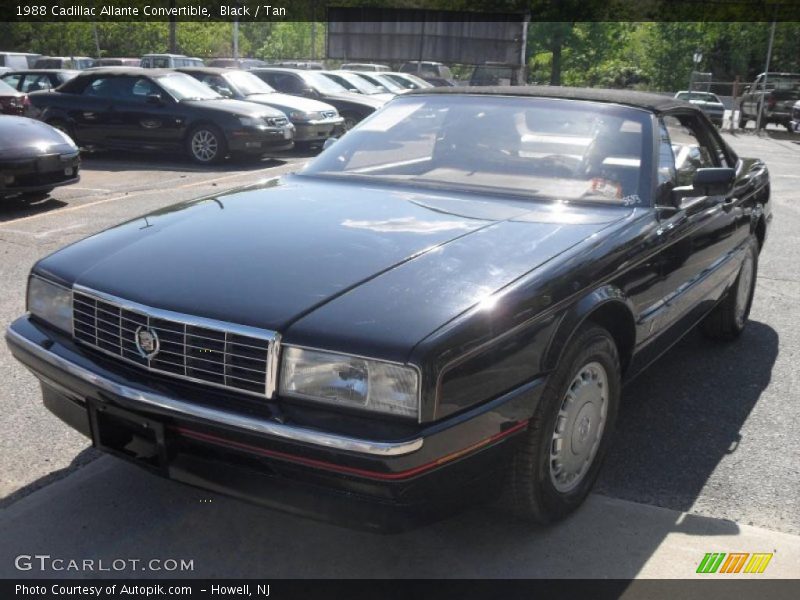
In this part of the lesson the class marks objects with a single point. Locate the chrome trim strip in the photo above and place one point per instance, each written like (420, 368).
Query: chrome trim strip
(213, 415)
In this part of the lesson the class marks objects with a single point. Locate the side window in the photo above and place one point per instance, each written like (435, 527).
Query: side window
(288, 83)
(142, 88)
(35, 83)
(690, 154)
(99, 88)
(13, 80)
(218, 84)
(161, 63)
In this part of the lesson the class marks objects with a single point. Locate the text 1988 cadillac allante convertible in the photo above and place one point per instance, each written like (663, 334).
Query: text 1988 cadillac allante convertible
(447, 299)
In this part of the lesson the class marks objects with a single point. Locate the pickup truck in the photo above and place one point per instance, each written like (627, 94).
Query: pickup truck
(779, 94)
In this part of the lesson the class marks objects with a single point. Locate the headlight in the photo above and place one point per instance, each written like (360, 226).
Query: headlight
(297, 115)
(350, 381)
(50, 302)
(251, 122)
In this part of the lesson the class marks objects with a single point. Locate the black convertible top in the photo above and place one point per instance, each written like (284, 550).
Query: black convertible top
(652, 102)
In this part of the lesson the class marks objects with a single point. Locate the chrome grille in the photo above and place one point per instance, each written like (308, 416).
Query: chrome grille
(277, 121)
(200, 350)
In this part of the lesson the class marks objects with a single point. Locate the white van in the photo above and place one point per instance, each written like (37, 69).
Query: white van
(14, 61)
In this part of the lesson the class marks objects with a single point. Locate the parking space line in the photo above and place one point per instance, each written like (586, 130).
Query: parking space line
(141, 193)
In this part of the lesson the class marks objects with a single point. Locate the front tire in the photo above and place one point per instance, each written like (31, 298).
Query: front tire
(729, 318)
(206, 145)
(562, 451)
(742, 120)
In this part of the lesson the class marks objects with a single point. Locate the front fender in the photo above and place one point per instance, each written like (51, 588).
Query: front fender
(607, 306)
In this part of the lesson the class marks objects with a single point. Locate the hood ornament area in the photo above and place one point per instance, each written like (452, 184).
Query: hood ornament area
(146, 342)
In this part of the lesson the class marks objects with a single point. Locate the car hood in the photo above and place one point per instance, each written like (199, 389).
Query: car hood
(21, 137)
(269, 256)
(236, 107)
(288, 103)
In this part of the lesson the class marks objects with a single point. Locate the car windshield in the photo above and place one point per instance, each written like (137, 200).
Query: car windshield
(184, 87)
(6, 89)
(322, 83)
(703, 96)
(387, 83)
(247, 83)
(409, 81)
(533, 147)
(361, 84)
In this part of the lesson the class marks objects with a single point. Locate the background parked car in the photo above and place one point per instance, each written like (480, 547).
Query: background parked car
(776, 93)
(235, 63)
(492, 74)
(300, 64)
(707, 102)
(408, 80)
(34, 158)
(795, 122)
(116, 62)
(14, 60)
(364, 67)
(169, 61)
(314, 121)
(434, 73)
(63, 62)
(311, 84)
(380, 81)
(353, 83)
(12, 102)
(154, 109)
(37, 80)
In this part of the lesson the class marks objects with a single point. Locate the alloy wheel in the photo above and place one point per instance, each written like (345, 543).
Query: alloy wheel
(204, 145)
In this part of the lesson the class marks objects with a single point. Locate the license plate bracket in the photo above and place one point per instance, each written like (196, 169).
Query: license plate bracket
(128, 435)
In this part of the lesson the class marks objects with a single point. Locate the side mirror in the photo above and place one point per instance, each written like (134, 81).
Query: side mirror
(329, 142)
(716, 181)
(155, 98)
(310, 92)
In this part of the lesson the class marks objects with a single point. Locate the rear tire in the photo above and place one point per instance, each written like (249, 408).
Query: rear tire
(561, 453)
(206, 144)
(729, 317)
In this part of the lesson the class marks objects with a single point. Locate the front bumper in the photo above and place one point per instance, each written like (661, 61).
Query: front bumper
(385, 484)
(259, 141)
(35, 174)
(316, 131)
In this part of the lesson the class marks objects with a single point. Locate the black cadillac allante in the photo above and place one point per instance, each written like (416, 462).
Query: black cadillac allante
(443, 305)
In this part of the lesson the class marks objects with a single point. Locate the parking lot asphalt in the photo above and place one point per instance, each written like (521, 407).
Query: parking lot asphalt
(711, 430)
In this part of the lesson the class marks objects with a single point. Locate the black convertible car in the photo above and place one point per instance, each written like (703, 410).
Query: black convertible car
(34, 158)
(153, 109)
(443, 304)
